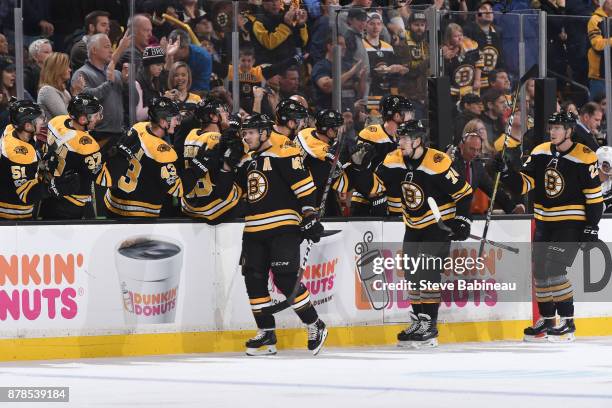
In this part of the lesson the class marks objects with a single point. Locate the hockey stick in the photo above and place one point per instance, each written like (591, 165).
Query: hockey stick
(529, 74)
(438, 217)
(289, 300)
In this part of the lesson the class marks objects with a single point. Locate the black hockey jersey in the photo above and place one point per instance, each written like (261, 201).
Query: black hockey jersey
(567, 187)
(150, 176)
(384, 143)
(79, 153)
(490, 46)
(214, 194)
(410, 182)
(20, 187)
(379, 56)
(278, 189)
(314, 154)
(462, 69)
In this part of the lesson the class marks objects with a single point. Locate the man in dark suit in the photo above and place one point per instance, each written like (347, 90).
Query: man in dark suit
(469, 166)
(587, 127)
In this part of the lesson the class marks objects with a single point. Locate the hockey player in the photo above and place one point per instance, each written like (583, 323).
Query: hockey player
(152, 171)
(394, 109)
(215, 193)
(319, 145)
(291, 117)
(411, 174)
(280, 212)
(75, 151)
(21, 184)
(567, 209)
(604, 160)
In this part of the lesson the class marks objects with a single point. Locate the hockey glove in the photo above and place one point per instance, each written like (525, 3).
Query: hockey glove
(379, 206)
(231, 147)
(499, 165)
(362, 155)
(590, 233)
(65, 185)
(206, 160)
(127, 146)
(311, 227)
(461, 228)
(50, 162)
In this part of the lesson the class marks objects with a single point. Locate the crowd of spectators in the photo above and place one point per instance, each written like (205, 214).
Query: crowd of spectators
(182, 50)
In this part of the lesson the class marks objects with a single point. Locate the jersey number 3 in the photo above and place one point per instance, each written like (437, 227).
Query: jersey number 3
(129, 182)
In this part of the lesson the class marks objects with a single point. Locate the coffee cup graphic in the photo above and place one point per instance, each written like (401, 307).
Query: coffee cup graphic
(149, 270)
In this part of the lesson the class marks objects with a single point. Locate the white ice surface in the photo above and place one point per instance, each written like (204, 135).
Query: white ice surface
(495, 375)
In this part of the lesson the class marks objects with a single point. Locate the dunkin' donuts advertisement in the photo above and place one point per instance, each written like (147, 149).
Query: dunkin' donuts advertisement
(101, 279)
(149, 270)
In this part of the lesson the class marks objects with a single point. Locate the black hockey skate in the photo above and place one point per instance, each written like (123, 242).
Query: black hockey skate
(427, 333)
(317, 333)
(263, 344)
(406, 336)
(539, 331)
(564, 332)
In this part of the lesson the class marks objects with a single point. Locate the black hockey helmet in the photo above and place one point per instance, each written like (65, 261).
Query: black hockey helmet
(163, 108)
(257, 121)
(83, 104)
(392, 104)
(412, 129)
(288, 109)
(208, 107)
(567, 119)
(328, 119)
(22, 112)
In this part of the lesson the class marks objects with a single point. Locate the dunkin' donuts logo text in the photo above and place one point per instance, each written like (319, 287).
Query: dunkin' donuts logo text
(149, 304)
(319, 278)
(39, 286)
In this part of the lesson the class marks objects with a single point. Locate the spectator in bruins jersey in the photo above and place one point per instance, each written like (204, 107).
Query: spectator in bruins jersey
(462, 62)
(489, 39)
(74, 150)
(319, 145)
(251, 76)
(384, 73)
(280, 213)
(277, 33)
(215, 194)
(414, 53)
(21, 185)
(150, 170)
(291, 117)
(411, 173)
(395, 109)
(568, 204)
(596, 51)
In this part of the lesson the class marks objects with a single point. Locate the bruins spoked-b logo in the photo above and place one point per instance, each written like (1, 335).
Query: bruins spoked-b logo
(464, 75)
(257, 186)
(413, 195)
(553, 183)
